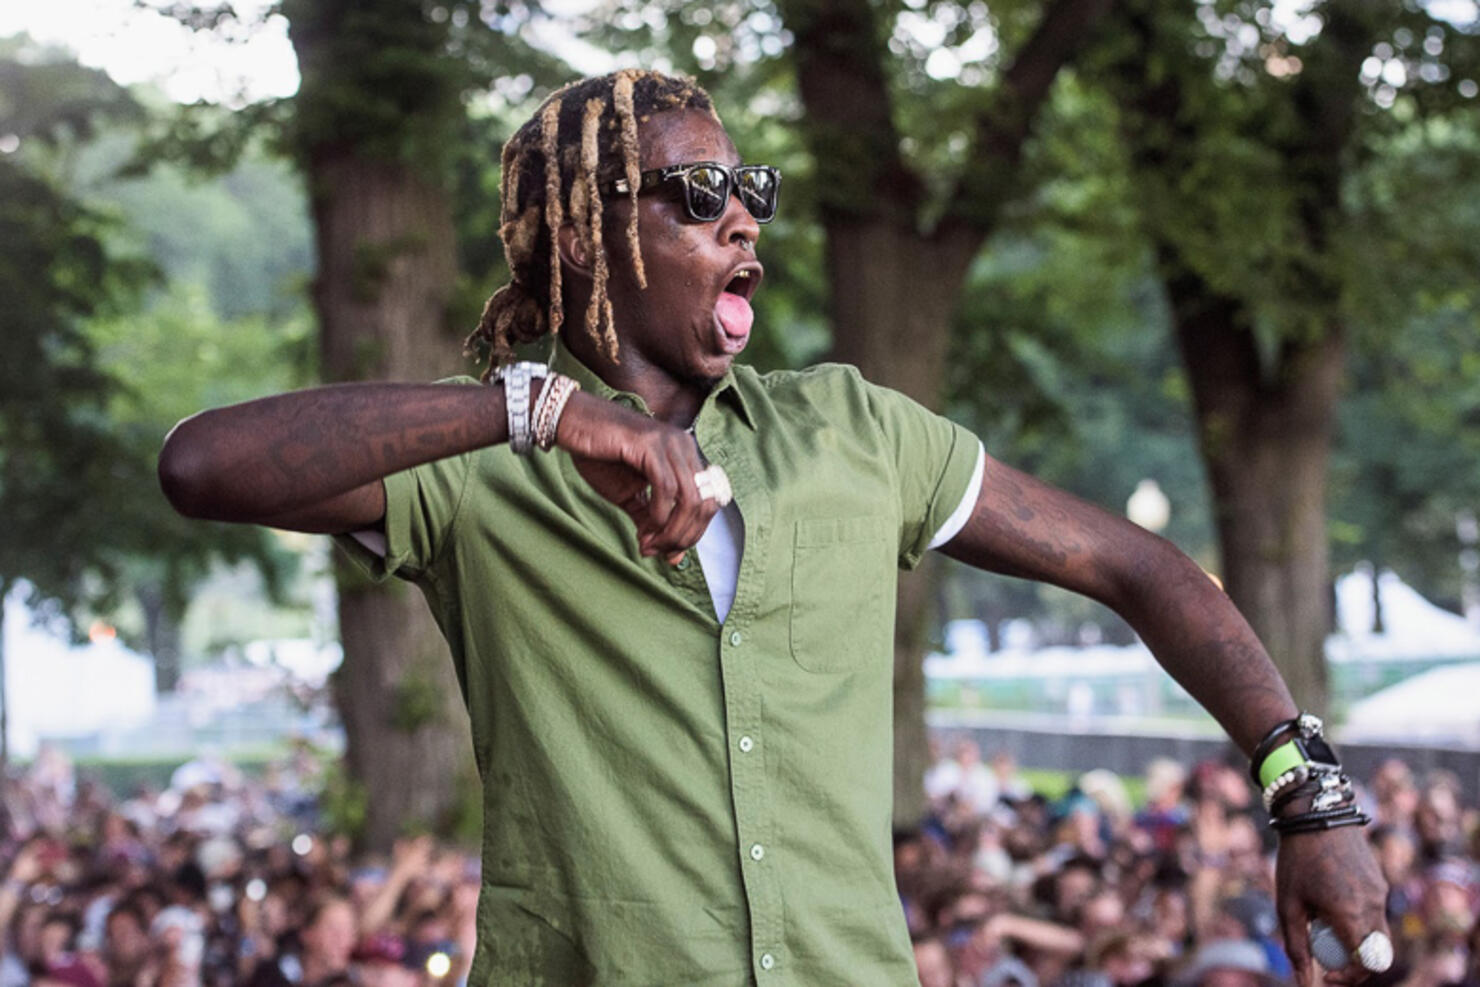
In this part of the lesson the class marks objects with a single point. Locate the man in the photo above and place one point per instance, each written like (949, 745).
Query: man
(686, 766)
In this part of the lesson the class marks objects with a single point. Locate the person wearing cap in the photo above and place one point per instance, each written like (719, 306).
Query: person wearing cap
(667, 580)
(1227, 963)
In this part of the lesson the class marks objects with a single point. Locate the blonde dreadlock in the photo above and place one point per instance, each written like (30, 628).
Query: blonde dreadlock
(585, 134)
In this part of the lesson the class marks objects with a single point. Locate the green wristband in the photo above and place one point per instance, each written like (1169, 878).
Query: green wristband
(1284, 757)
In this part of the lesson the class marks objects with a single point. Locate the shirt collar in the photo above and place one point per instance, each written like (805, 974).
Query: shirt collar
(563, 361)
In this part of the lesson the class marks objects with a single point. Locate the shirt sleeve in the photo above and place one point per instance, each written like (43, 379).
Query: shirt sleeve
(421, 505)
(953, 524)
(934, 461)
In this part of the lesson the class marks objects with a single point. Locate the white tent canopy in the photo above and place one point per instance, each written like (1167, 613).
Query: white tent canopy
(54, 688)
(1413, 628)
(1442, 704)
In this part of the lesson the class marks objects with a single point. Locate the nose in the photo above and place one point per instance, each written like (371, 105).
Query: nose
(737, 225)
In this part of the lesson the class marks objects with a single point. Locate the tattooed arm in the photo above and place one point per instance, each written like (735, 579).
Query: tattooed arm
(1022, 527)
(313, 460)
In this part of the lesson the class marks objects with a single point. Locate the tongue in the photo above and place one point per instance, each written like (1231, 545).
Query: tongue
(735, 314)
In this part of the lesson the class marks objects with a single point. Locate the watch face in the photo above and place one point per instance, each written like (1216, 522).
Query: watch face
(1317, 751)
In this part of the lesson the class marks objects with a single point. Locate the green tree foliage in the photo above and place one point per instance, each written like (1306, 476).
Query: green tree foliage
(100, 364)
(59, 463)
(1250, 128)
(58, 460)
(1411, 420)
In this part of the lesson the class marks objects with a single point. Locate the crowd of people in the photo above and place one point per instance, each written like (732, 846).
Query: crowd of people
(1002, 886)
(223, 879)
(218, 879)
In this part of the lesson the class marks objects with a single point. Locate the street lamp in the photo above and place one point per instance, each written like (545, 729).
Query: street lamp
(1467, 528)
(1149, 507)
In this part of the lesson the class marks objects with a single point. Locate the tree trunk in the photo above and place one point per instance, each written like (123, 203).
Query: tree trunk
(894, 292)
(386, 270)
(893, 287)
(5, 587)
(162, 635)
(1265, 420)
(1265, 435)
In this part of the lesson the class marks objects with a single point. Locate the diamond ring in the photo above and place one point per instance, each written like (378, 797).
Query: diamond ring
(714, 485)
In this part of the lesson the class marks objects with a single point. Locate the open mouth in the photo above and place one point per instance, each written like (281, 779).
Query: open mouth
(744, 282)
(733, 315)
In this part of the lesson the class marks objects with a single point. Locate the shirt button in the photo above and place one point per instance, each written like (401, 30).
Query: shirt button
(757, 851)
(736, 637)
(746, 744)
(767, 961)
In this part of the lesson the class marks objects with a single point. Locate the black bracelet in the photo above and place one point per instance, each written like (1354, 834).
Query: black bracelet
(1266, 747)
(1316, 814)
(1321, 819)
(1358, 818)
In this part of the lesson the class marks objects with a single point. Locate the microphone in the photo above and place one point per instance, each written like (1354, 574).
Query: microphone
(1326, 947)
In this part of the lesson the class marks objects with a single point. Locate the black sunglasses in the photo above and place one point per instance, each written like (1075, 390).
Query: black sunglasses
(708, 185)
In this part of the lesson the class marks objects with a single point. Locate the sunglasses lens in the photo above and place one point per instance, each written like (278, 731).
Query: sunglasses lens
(708, 191)
(758, 186)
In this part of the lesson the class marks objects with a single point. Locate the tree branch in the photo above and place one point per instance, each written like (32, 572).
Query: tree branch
(1003, 127)
(840, 56)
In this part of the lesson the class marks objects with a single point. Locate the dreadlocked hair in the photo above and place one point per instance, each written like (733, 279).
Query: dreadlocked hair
(582, 136)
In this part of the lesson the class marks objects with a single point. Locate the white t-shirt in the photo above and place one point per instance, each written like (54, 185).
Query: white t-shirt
(719, 547)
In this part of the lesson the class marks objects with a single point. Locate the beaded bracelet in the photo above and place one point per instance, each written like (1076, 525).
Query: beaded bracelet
(1287, 781)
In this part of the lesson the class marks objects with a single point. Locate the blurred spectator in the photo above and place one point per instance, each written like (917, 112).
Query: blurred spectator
(1436, 819)
(1395, 795)
(325, 944)
(933, 963)
(127, 947)
(972, 784)
(1227, 963)
(1165, 812)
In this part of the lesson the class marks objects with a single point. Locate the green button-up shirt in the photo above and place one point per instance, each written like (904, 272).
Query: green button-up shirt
(671, 800)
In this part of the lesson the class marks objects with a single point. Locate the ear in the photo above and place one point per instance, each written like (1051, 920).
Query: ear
(575, 253)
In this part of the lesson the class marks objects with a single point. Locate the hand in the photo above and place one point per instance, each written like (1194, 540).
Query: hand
(412, 855)
(643, 466)
(1210, 828)
(465, 900)
(1331, 875)
(26, 867)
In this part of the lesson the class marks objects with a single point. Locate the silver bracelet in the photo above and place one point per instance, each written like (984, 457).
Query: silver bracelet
(542, 404)
(558, 389)
(516, 379)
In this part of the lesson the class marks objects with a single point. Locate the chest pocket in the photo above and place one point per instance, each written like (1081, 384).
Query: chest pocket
(841, 593)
